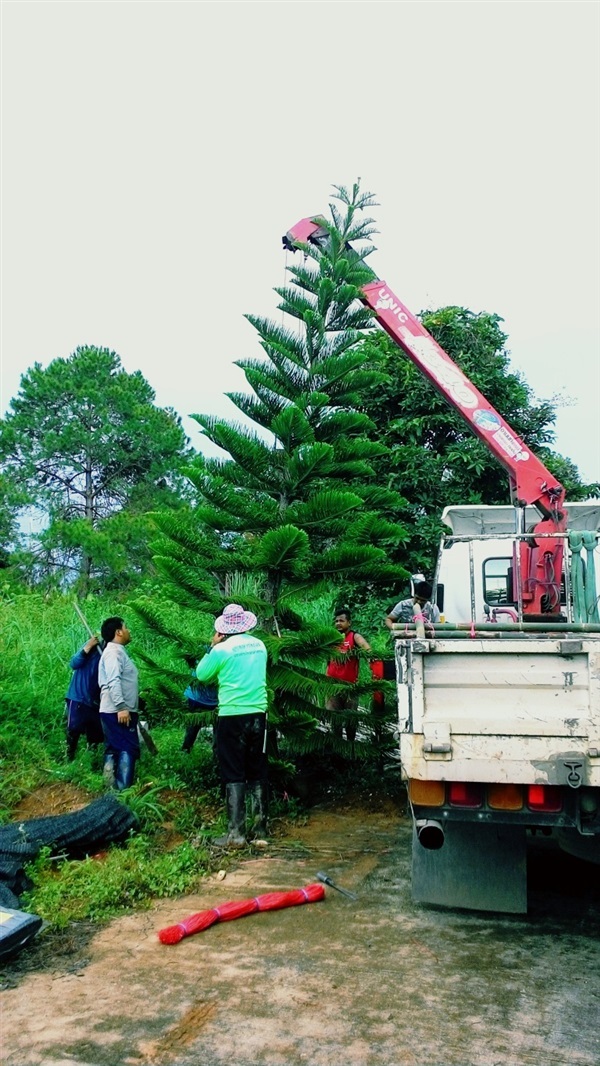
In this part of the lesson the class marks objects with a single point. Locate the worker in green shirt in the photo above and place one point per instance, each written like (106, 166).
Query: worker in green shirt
(237, 663)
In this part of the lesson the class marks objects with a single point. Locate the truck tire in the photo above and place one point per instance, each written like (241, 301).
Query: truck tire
(581, 847)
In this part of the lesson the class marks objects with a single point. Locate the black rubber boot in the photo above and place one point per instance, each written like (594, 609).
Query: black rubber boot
(259, 796)
(125, 770)
(235, 801)
(72, 742)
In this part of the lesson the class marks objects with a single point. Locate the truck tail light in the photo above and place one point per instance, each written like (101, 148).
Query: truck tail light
(464, 794)
(544, 798)
(505, 797)
(426, 793)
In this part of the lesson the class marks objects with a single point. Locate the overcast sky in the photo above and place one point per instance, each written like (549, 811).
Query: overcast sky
(153, 155)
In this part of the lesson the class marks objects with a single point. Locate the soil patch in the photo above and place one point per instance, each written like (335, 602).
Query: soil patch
(379, 981)
(54, 951)
(58, 797)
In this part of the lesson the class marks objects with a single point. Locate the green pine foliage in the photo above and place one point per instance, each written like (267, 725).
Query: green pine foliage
(294, 517)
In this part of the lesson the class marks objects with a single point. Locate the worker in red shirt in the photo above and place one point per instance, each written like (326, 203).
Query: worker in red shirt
(346, 669)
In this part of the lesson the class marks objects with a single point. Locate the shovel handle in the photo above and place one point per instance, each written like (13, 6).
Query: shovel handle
(327, 881)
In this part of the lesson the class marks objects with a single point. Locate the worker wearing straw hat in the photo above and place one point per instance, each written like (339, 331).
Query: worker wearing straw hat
(237, 662)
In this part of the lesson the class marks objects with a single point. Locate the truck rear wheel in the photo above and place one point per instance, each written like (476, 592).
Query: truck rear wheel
(581, 847)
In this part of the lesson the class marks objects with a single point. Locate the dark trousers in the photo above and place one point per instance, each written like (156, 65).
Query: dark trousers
(121, 749)
(343, 703)
(192, 730)
(83, 719)
(241, 747)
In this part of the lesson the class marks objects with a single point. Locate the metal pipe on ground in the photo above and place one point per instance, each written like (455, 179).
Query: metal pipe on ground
(499, 627)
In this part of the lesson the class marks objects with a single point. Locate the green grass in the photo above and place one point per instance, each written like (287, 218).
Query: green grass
(173, 796)
(122, 879)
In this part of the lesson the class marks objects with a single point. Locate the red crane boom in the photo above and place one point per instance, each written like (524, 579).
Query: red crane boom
(530, 481)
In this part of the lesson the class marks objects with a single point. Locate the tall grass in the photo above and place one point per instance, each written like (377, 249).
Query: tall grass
(39, 636)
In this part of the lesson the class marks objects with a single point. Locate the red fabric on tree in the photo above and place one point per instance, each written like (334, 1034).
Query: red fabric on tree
(226, 912)
(376, 667)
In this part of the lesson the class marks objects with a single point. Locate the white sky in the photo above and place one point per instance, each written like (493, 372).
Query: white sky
(154, 153)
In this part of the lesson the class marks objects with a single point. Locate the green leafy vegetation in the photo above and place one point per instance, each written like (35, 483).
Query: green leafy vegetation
(102, 886)
(40, 634)
(93, 454)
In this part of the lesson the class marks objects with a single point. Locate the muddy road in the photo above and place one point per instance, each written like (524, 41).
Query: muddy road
(376, 982)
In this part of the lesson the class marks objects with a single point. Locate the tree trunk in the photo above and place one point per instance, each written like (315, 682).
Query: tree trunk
(83, 584)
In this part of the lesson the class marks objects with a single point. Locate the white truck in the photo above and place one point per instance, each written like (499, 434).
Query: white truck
(499, 706)
(499, 719)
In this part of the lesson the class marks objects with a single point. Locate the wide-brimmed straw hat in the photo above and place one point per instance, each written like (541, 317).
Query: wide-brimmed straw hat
(235, 620)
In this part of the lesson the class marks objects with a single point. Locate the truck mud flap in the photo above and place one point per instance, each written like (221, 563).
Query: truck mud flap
(479, 867)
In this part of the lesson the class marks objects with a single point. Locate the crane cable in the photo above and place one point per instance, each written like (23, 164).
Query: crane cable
(583, 576)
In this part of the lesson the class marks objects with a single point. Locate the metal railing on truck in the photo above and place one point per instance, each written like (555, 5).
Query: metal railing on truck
(469, 538)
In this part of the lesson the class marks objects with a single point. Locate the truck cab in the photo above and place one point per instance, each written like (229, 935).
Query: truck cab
(475, 569)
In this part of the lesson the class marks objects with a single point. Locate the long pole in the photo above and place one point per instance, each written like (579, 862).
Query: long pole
(84, 619)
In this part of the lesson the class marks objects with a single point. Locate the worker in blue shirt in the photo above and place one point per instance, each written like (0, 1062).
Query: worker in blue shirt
(83, 699)
(200, 698)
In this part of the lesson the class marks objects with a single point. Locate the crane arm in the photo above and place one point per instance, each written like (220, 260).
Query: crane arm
(530, 481)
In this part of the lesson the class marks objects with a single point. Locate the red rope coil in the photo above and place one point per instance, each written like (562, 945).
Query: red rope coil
(226, 912)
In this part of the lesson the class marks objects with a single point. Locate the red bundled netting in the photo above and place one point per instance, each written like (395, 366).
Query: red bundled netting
(226, 912)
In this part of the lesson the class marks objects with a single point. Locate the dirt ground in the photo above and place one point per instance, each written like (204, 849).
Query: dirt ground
(379, 981)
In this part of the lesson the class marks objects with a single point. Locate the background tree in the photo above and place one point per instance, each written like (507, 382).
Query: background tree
(94, 453)
(12, 498)
(433, 458)
(295, 510)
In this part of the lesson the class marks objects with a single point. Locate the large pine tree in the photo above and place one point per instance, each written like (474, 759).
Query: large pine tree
(295, 512)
